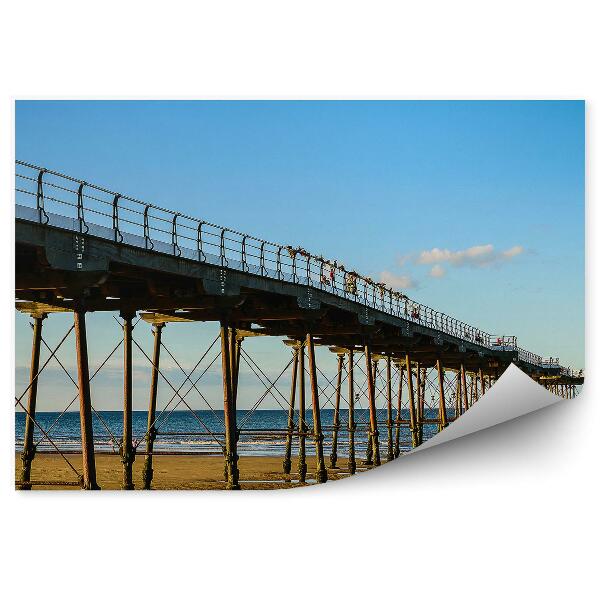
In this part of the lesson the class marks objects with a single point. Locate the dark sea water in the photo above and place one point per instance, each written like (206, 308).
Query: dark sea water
(183, 431)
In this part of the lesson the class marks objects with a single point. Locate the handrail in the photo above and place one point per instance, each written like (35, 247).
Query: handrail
(182, 234)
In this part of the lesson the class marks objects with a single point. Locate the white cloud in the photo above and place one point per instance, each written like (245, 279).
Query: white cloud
(437, 271)
(475, 256)
(514, 251)
(397, 281)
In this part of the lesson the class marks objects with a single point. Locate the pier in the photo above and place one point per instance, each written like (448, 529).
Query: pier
(81, 249)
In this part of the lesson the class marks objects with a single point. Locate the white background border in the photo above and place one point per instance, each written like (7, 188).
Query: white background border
(506, 513)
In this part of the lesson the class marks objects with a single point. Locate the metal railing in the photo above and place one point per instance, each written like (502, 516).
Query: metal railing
(55, 199)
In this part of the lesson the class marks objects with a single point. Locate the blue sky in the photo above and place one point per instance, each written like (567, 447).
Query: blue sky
(474, 208)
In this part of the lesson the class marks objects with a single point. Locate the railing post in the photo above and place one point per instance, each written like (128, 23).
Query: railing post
(287, 461)
(147, 241)
(373, 429)
(85, 403)
(39, 197)
(115, 218)
(442, 416)
(228, 408)
(301, 417)
(351, 423)
(174, 238)
(390, 440)
(80, 214)
(148, 472)
(411, 402)
(399, 412)
(321, 471)
(28, 445)
(127, 449)
(336, 414)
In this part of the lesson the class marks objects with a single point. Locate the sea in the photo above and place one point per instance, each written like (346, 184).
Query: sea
(262, 432)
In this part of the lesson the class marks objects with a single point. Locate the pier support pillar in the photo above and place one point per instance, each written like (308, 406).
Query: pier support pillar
(127, 450)
(442, 415)
(481, 381)
(321, 471)
(301, 417)
(390, 438)
(399, 413)
(457, 397)
(351, 423)
(85, 404)
(420, 402)
(235, 349)
(148, 472)
(336, 414)
(229, 369)
(411, 403)
(373, 429)
(28, 446)
(287, 459)
(463, 387)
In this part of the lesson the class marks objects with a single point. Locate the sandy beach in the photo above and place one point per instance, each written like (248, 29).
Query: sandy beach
(196, 472)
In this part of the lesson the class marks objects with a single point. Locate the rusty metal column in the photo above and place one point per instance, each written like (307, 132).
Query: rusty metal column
(373, 431)
(411, 403)
(457, 397)
(287, 460)
(85, 404)
(28, 447)
(390, 441)
(399, 413)
(235, 348)
(148, 472)
(481, 381)
(442, 416)
(351, 423)
(301, 417)
(321, 471)
(228, 403)
(127, 449)
(463, 386)
(336, 414)
(420, 406)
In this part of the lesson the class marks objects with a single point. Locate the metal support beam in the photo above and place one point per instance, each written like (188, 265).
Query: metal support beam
(85, 404)
(28, 446)
(373, 430)
(482, 381)
(148, 472)
(442, 416)
(321, 471)
(336, 414)
(399, 413)
(301, 417)
(420, 403)
(127, 449)
(228, 408)
(463, 385)
(411, 403)
(457, 398)
(351, 423)
(390, 439)
(287, 460)
(235, 348)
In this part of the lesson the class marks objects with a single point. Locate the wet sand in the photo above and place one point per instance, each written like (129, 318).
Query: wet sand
(195, 472)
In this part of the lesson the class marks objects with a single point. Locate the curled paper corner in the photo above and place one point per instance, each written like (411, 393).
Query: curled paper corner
(513, 395)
